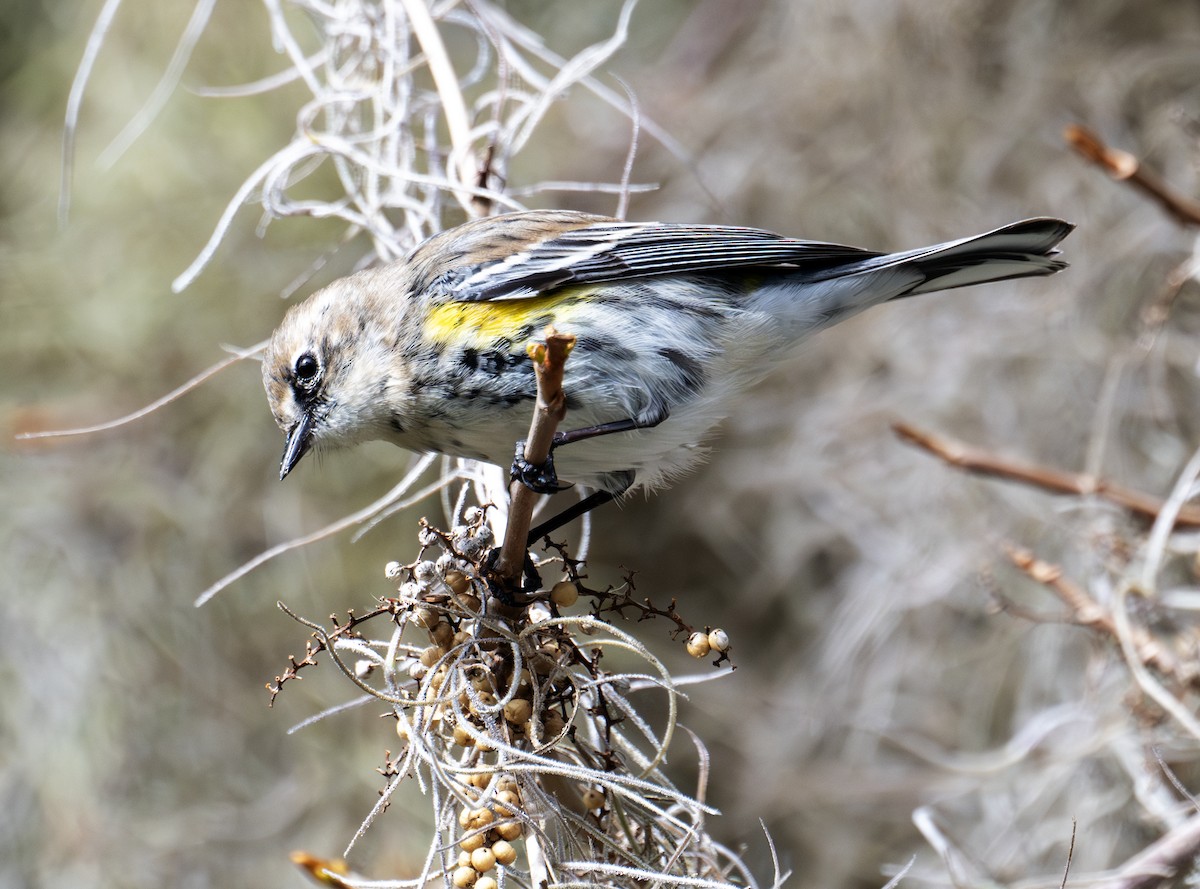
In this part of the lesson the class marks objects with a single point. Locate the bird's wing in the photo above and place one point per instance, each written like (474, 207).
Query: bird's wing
(600, 249)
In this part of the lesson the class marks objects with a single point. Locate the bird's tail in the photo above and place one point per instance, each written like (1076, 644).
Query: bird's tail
(807, 300)
(1019, 250)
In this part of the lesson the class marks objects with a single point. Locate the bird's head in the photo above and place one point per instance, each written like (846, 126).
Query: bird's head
(328, 370)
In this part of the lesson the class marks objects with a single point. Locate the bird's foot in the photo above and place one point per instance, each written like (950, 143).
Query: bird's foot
(529, 582)
(541, 479)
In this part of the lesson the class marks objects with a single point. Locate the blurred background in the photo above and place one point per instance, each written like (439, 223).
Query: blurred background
(856, 575)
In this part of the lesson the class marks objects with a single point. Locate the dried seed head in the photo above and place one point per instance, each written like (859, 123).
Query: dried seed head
(543, 661)
(506, 801)
(553, 723)
(504, 852)
(457, 581)
(718, 639)
(470, 843)
(481, 679)
(564, 594)
(485, 700)
(438, 679)
(442, 634)
(431, 655)
(511, 830)
(697, 645)
(426, 617)
(518, 710)
(483, 860)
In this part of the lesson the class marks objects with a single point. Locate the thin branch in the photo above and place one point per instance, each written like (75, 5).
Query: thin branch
(549, 359)
(75, 101)
(334, 527)
(454, 107)
(1148, 683)
(1059, 481)
(1156, 545)
(631, 155)
(1070, 855)
(1166, 769)
(137, 125)
(193, 383)
(1086, 611)
(1125, 167)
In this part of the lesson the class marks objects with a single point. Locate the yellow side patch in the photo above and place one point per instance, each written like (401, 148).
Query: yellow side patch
(478, 325)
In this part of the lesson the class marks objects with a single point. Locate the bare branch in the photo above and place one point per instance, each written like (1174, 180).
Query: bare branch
(549, 359)
(1058, 481)
(1125, 167)
(1086, 611)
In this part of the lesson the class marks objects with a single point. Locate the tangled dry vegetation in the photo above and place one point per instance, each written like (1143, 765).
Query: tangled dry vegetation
(1141, 558)
(514, 724)
(509, 718)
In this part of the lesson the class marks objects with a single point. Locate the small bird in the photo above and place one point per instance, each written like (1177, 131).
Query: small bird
(673, 322)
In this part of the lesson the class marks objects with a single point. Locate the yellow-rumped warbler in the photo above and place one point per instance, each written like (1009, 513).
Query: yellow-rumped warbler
(673, 323)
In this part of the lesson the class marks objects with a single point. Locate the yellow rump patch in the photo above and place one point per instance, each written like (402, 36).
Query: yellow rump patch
(478, 325)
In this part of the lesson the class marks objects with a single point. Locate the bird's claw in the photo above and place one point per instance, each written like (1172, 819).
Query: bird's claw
(529, 582)
(541, 479)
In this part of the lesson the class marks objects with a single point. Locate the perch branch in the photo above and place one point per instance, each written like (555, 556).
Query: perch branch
(982, 462)
(548, 361)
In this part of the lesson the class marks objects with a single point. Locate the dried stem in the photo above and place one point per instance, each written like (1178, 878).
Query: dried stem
(548, 359)
(1086, 611)
(982, 462)
(1125, 167)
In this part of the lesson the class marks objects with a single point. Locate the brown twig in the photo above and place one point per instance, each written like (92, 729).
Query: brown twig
(320, 641)
(1156, 311)
(981, 462)
(1125, 167)
(1087, 612)
(480, 204)
(549, 359)
(1070, 855)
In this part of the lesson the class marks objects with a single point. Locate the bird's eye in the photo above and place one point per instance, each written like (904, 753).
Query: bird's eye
(307, 370)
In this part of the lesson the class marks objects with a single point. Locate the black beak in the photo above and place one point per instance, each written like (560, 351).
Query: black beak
(298, 442)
